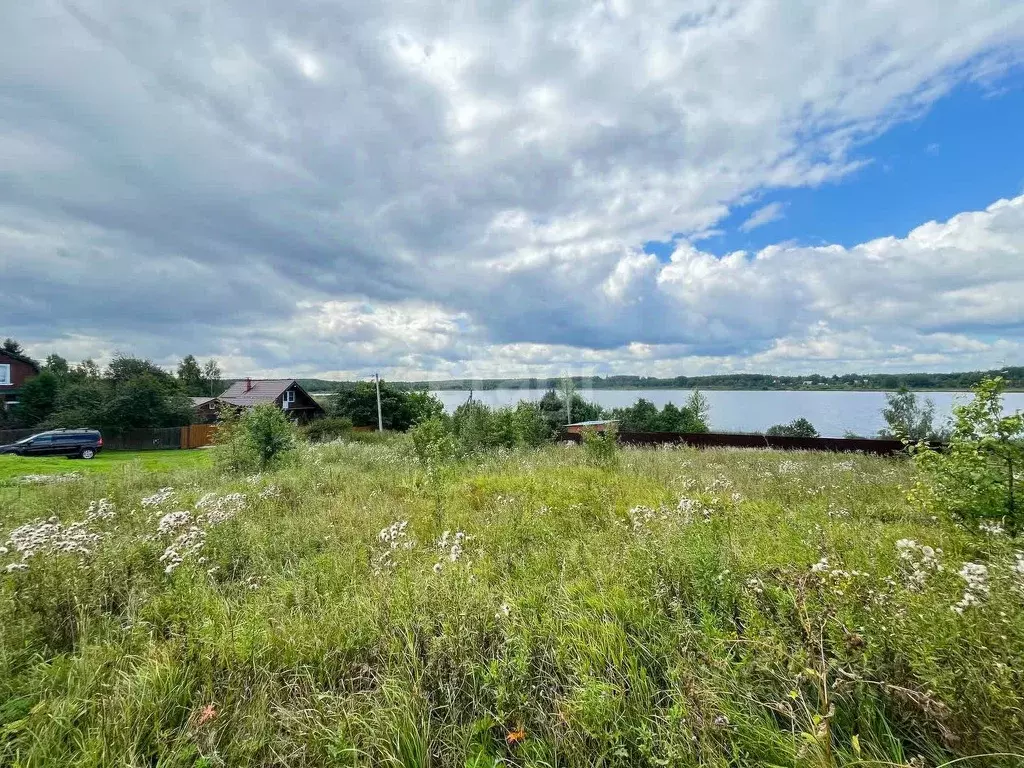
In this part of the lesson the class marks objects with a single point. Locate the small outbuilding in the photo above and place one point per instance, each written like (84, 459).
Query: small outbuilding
(597, 426)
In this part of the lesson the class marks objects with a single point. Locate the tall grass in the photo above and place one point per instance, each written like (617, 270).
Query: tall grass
(718, 608)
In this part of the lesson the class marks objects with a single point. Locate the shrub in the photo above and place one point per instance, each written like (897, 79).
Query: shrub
(974, 477)
(796, 428)
(325, 429)
(255, 440)
(600, 448)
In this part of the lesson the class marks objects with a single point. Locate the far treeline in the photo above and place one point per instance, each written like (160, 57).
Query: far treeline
(1012, 376)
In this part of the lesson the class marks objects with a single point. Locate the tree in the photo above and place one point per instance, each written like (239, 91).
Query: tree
(800, 427)
(212, 378)
(11, 347)
(80, 403)
(58, 366)
(125, 368)
(37, 400)
(553, 411)
(699, 411)
(190, 377)
(144, 402)
(977, 475)
(399, 409)
(907, 419)
(86, 369)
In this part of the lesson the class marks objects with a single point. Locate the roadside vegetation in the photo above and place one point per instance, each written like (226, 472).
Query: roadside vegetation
(414, 600)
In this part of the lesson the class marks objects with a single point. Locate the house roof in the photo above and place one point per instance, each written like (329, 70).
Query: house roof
(200, 401)
(20, 358)
(262, 391)
(595, 423)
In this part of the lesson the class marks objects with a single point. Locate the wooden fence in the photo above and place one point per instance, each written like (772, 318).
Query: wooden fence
(731, 440)
(198, 435)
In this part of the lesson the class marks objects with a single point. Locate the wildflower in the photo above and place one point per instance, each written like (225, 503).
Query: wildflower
(921, 559)
(821, 566)
(103, 509)
(209, 713)
(158, 498)
(976, 577)
(516, 736)
(68, 477)
(16, 567)
(503, 610)
(991, 528)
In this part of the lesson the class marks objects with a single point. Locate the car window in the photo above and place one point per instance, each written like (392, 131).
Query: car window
(42, 440)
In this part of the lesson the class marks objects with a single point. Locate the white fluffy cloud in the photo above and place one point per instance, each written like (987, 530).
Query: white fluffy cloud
(436, 189)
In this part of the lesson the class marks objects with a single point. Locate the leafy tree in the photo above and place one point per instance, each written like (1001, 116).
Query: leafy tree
(125, 368)
(552, 407)
(86, 369)
(37, 400)
(58, 366)
(908, 419)
(796, 428)
(643, 416)
(327, 428)
(399, 409)
(80, 403)
(977, 475)
(699, 411)
(212, 378)
(424, 406)
(144, 402)
(190, 377)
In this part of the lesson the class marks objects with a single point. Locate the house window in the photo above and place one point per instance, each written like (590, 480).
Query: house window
(5, 375)
(289, 396)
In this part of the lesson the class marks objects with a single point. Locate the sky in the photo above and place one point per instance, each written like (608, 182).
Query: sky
(435, 190)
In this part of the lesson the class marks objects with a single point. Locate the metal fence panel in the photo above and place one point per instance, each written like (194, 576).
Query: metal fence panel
(729, 440)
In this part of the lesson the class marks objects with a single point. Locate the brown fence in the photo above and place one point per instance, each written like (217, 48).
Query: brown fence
(198, 435)
(730, 440)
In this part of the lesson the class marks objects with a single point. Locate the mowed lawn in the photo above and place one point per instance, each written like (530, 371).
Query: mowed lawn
(14, 467)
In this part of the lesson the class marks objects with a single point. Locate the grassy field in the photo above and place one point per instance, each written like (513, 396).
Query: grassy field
(14, 467)
(675, 608)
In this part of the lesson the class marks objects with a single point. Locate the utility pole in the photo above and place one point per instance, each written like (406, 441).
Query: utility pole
(380, 418)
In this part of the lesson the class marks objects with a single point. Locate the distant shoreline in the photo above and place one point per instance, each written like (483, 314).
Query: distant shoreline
(950, 390)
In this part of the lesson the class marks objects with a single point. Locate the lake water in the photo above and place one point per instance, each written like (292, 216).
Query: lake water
(832, 413)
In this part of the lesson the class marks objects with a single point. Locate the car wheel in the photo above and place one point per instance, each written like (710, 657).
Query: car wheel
(87, 453)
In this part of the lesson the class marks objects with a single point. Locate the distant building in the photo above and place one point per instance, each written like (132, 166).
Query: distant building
(286, 394)
(206, 410)
(597, 426)
(15, 371)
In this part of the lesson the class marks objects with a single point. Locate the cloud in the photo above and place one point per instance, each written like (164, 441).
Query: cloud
(437, 188)
(764, 215)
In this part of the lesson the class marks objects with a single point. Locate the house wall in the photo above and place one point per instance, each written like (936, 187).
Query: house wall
(16, 375)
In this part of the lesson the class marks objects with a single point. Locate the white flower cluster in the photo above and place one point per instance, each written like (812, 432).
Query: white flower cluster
(921, 560)
(218, 509)
(788, 467)
(843, 466)
(69, 477)
(976, 576)
(188, 542)
(188, 529)
(49, 537)
(270, 492)
(158, 498)
(821, 566)
(452, 545)
(1018, 568)
(254, 479)
(694, 509)
(392, 539)
(102, 509)
(755, 585)
(991, 528)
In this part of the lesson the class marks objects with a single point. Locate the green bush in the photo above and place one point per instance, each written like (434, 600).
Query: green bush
(257, 439)
(601, 447)
(977, 475)
(325, 429)
(796, 428)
